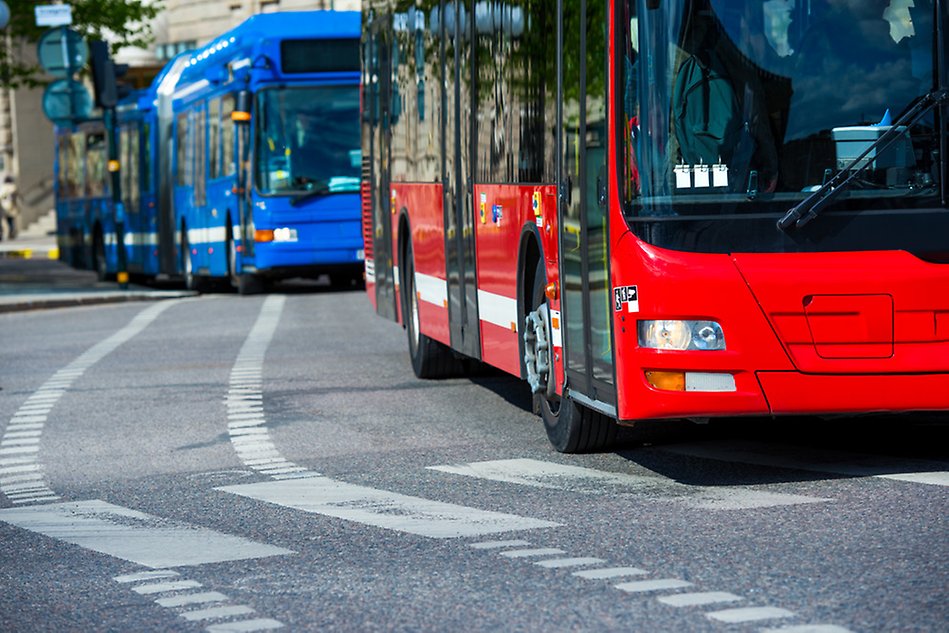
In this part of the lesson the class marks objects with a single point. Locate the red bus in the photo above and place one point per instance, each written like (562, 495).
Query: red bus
(658, 209)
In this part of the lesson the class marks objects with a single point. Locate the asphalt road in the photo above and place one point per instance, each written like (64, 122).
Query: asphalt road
(244, 463)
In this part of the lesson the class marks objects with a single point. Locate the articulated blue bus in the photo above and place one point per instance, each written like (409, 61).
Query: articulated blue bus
(240, 164)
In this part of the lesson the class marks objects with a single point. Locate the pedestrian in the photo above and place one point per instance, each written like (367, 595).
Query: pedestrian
(9, 206)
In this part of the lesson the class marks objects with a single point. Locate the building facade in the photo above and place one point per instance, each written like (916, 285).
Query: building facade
(26, 136)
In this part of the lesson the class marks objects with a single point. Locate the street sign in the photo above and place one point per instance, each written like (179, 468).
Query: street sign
(53, 15)
(4, 14)
(62, 52)
(66, 101)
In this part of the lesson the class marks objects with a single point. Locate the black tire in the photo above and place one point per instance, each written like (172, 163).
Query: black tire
(192, 281)
(430, 359)
(571, 427)
(249, 284)
(230, 252)
(99, 262)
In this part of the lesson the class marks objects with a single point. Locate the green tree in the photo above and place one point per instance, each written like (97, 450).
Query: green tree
(120, 22)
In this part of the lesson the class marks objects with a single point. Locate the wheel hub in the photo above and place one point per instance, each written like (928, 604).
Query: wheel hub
(537, 352)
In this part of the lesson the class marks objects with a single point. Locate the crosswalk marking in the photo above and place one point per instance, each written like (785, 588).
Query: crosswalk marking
(163, 587)
(243, 626)
(498, 544)
(749, 614)
(192, 598)
(660, 584)
(134, 536)
(698, 599)
(822, 461)
(381, 508)
(558, 563)
(542, 474)
(808, 628)
(610, 572)
(217, 612)
(526, 553)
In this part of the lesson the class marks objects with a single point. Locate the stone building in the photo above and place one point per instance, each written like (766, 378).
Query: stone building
(26, 136)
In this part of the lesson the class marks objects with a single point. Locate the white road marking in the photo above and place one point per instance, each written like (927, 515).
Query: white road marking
(749, 614)
(808, 628)
(498, 544)
(610, 572)
(698, 599)
(525, 553)
(822, 461)
(49, 393)
(164, 587)
(384, 509)
(145, 575)
(192, 598)
(263, 624)
(558, 563)
(660, 584)
(541, 474)
(217, 612)
(246, 423)
(135, 536)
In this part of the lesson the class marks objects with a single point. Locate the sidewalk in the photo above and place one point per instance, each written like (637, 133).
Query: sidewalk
(32, 278)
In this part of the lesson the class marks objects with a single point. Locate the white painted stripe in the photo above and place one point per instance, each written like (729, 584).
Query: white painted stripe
(749, 614)
(217, 612)
(207, 235)
(498, 544)
(610, 572)
(527, 553)
(497, 310)
(192, 598)
(37, 477)
(431, 289)
(660, 584)
(14, 442)
(559, 563)
(808, 628)
(263, 624)
(246, 425)
(380, 508)
(164, 587)
(698, 599)
(823, 461)
(145, 575)
(135, 536)
(541, 474)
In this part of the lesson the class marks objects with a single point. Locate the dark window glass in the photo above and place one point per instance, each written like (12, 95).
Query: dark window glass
(307, 139)
(319, 56)
(228, 165)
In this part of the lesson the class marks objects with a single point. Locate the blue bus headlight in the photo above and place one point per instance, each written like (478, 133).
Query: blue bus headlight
(681, 335)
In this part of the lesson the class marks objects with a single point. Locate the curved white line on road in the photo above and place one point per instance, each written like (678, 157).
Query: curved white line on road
(22, 477)
(246, 422)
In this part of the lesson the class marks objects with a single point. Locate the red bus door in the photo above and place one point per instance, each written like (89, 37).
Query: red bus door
(459, 134)
(584, 254)
(378, 110)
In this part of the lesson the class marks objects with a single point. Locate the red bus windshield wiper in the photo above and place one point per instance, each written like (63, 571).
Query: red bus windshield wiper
(811, 206)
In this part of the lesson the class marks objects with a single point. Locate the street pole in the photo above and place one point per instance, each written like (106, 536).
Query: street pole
(114, 166)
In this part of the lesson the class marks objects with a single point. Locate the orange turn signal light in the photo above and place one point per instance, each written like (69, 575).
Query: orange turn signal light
(263, 235)
(666, 380)
(550, 290)
(241, 117)
(113, 166)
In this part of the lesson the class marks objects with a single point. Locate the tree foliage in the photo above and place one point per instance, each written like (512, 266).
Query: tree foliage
(119, 22)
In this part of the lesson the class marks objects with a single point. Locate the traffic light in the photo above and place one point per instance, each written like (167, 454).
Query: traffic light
(103, 75)
(108, 90)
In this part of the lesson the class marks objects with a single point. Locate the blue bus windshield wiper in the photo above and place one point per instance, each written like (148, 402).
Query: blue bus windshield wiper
(811, 206)
(320, 188)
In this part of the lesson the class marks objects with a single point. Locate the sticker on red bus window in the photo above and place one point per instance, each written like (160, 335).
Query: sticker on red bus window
(628, 296)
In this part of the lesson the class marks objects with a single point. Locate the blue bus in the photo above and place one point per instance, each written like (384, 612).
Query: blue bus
(240, 163)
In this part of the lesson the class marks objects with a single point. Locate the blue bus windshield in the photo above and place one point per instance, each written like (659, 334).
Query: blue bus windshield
(308, 140)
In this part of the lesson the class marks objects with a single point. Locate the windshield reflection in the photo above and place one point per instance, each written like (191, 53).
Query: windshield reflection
(308, 140)
(734, 102)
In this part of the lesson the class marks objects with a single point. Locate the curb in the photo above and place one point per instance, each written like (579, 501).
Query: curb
(25, 304)
(30, 253)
